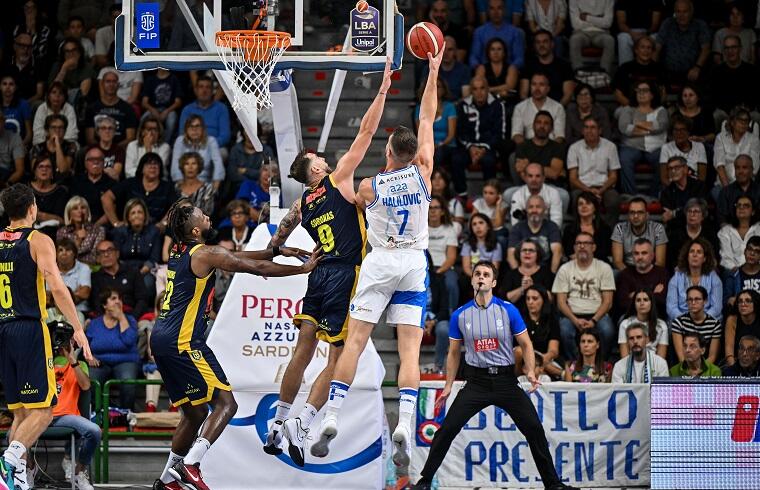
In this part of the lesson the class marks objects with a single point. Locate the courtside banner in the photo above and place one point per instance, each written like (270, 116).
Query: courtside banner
(254, 338)
(598, 436)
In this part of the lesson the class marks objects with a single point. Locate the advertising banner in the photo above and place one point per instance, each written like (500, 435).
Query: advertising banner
(598, 436)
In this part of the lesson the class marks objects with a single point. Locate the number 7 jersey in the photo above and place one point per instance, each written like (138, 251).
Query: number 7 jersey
(334, 223)
(398, 217)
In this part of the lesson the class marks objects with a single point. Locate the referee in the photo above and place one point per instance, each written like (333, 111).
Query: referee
(486, 327)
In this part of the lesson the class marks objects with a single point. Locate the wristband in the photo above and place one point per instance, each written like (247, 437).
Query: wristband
(382, 93)
(275, 251)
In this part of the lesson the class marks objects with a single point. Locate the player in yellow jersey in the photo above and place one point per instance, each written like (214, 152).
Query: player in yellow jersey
(27, 263)
(190, 370)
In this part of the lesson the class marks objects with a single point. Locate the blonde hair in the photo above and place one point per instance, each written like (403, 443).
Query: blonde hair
(76, 201)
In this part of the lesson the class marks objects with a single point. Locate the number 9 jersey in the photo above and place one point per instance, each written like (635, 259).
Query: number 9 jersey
(333, 222)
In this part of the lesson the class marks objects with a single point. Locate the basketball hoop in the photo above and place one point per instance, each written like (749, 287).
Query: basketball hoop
(250, 57)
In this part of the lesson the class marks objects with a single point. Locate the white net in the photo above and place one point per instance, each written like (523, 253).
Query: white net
(250, 57)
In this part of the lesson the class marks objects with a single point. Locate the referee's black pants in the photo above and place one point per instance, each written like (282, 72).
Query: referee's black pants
(483, 390)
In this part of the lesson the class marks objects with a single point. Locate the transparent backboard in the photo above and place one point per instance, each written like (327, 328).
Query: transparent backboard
(179, 34)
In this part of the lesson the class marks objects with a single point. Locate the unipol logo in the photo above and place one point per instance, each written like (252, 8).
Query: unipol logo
(746, 421)
(147, 21)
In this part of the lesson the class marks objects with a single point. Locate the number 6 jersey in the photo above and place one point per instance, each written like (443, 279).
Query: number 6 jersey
(22, 286)
(398, 217)
(335, 223)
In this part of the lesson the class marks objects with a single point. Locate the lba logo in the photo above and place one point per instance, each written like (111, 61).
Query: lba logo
(148, 34)
(746, 420)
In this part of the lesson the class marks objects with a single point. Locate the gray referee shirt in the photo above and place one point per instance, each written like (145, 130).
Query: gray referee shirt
(487, 333)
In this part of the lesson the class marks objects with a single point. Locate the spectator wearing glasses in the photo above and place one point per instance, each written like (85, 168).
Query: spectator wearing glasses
(238, 227)
(60, 151)
(75, 274)
(735, 235)
(50, 197)
(678, 192)
(747, 276)
(737, 138)
(744, 185)
(735, 27)
(55, 103)
(693, 362)
(744, 320)
(696, 267)
(73, 70)
(93, 183)
(696, 224)
(113, 163)
(734, 81)
(625, 234)
(682, 145)
(125, 280)
(29, 73)
(150, 138)
(748, 359)
(584, 290)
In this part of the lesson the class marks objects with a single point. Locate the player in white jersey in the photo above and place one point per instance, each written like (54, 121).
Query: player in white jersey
(394, 273)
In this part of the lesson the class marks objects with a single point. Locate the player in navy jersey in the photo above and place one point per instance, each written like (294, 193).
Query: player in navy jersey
(27, 263)
(487, 327)
(191, 372)
(328, 211)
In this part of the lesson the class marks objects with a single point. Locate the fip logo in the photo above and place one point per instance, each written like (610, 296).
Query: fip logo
(260, 421)
(746, 420)
(148, 34)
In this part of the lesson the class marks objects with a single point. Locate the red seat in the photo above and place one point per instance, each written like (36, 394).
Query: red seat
(591, 52)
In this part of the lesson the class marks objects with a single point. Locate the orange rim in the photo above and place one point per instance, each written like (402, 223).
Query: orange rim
(251, 42)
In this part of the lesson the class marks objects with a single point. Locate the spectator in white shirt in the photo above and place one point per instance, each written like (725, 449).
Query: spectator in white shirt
(593, 165)
(736, 138)
(525, 112)
(742, 225)
(442, 247)
(535, 185)
(682, 146)
(641, 365)
(591, 21)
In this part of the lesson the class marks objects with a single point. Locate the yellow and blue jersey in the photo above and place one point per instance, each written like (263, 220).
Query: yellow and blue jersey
(184, 311)
(335, 223)
(22, 285)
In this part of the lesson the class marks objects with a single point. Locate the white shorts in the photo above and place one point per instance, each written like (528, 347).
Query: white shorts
(396, 279)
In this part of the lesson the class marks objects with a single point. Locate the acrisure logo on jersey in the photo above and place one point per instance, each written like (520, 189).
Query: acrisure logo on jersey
(265, 412)
(148, 34)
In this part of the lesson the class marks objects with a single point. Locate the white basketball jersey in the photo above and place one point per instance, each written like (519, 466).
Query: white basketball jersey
(398, 217)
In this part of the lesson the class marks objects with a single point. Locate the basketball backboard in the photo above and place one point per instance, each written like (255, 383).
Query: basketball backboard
(166, 34)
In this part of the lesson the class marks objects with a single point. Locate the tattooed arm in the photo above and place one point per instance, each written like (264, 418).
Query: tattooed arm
(287, 225)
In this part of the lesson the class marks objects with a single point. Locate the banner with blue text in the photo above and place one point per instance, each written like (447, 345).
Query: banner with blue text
(598, 436)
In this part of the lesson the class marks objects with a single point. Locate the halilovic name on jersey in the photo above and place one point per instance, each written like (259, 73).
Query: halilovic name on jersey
(338, 225)
(487, 332)
(398, 217)
(22, 285)
(184, 311)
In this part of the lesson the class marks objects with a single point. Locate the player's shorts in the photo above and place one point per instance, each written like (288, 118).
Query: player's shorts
(327, 300)
(26, 361)
(397, 279)
(191, 376)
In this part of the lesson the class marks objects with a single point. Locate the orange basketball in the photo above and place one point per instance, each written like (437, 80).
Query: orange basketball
(424, 38)
(362, 6)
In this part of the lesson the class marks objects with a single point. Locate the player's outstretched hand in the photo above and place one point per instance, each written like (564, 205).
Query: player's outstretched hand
(313, 261)
(295, 252)
(81, 340)
(435, 61)
(386, 76)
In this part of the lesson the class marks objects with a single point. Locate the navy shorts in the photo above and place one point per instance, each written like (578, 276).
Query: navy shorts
(191, 376)
(327, 300)
(26, 361)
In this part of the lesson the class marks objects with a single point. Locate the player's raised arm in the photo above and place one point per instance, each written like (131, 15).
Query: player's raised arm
(344, 170)
(287, 225)
(43, 252)
(428, 108)
(216, 257)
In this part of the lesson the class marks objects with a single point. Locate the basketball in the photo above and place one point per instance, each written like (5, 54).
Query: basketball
(424, 38)
(362, 6)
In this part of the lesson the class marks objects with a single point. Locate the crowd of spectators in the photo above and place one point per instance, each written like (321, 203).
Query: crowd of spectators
(618, 148)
